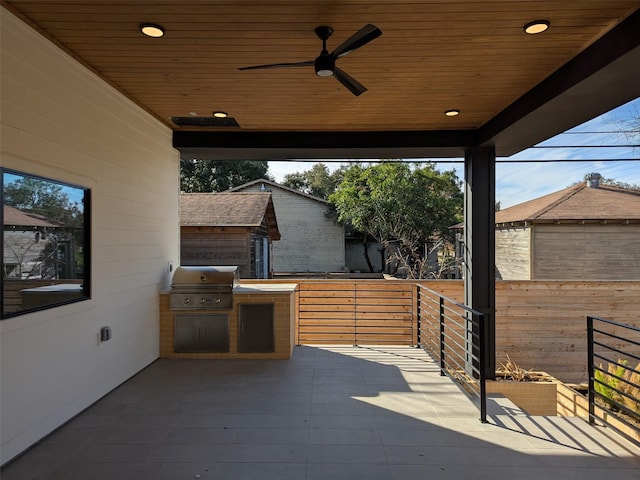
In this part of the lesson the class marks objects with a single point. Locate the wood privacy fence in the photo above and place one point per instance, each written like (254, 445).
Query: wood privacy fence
(360, 311)
(357, 312)
(540, 324)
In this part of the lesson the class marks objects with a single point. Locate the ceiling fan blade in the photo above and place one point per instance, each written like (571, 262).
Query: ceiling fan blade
(361, 37)
(279, 65)
(348, 81)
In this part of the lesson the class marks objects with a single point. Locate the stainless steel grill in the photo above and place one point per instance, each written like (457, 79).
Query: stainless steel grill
(203, 288)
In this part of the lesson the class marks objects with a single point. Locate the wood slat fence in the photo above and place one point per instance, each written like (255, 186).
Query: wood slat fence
(539, 324)
(356, 312)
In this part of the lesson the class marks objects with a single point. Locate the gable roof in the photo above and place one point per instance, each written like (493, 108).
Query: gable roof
(577, 203)
(238, 209)
(14, 217)
(269, 183)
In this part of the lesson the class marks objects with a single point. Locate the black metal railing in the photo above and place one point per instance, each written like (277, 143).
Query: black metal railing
(615, 384)
(454, 334)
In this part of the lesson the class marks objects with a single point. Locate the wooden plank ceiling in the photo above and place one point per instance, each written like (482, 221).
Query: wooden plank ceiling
(433, 55)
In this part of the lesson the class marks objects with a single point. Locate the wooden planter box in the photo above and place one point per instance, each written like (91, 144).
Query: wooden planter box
(535, 398)
(573, 404)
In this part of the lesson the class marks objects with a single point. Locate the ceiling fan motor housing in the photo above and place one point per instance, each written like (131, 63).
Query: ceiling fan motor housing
(325, 65)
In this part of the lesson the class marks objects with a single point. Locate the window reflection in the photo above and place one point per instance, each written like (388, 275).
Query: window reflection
(45, 243)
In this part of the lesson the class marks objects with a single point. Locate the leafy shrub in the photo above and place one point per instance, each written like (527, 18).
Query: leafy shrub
(612, 387)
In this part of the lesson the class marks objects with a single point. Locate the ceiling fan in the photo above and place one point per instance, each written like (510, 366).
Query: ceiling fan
(325, 63)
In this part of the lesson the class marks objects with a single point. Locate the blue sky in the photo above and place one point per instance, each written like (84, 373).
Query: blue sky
(74, 194)
(519, 182)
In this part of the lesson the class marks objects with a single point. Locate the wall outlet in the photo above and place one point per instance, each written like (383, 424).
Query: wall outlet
(105, 334)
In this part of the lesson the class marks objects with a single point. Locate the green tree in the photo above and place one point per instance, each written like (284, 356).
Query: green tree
(219, 175)
(61, 253)
(407, 206)
(33, 195)
(317, 181)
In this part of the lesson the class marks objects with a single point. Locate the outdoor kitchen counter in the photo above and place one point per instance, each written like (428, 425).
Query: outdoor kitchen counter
(259, 288)
(278, 298)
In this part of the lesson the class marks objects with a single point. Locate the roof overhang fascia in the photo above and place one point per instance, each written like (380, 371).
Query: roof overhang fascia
(601, 78)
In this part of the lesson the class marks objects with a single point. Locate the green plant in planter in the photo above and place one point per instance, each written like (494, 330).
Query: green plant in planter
(607, 384)
(633, 377)
(611, 384)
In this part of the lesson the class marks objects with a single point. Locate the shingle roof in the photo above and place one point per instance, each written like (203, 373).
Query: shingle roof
(269, 183)
(13, 216)
(228, 210)
(576, 203)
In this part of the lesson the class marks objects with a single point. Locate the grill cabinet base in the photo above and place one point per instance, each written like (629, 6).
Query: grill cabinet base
(201, 333)
(255, 322)
(281, 299)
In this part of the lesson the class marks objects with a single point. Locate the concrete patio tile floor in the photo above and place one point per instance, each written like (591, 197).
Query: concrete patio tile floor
(329, 413)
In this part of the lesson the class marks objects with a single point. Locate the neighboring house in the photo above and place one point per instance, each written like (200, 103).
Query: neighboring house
(228, 229)
(585, 232)
(26, 239)
(311, 242)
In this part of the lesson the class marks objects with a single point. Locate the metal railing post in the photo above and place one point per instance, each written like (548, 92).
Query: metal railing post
(590, 370)
(442, 338)
(465, 327)
(418, 314)
(482, 358)
(355, 315)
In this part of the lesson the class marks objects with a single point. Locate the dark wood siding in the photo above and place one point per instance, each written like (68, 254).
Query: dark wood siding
(216, 246)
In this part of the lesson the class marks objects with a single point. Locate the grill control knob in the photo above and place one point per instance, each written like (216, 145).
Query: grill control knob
(203, 300)
(186, 301)
(218, 300)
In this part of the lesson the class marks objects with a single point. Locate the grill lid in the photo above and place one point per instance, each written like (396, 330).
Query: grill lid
(205, 277)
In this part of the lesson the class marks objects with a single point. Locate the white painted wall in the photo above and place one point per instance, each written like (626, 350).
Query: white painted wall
(59, 120)
(309, 242)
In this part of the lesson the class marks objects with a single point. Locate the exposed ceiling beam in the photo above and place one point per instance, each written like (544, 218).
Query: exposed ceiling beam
(291, 145)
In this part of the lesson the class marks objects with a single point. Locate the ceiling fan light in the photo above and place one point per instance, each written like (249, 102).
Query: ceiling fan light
(324, 73)
(537, 26)
(452, 113)
(152, 30)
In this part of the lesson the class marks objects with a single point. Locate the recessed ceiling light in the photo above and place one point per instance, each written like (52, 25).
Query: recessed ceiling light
(193, 114)
(220, 114)
(452, 113)
(537, 26)
(152, 30)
